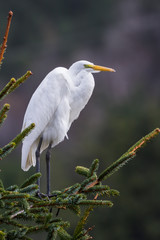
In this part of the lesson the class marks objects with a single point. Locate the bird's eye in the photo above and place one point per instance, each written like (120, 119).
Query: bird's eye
(87, 66)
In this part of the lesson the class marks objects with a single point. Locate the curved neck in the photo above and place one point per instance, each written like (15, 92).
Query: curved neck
(75, 69)
(83, 85)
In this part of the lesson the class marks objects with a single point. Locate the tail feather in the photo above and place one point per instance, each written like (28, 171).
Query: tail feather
(28, 155)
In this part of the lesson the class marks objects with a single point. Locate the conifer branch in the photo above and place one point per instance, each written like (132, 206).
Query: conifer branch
(143, 141)
(4, 44)
(82, 171)
(23, 134)
(130, 154)
(19, 81)
(80, 226)
(11, 145)
(31, 180)
(3, 112)
(115, 166)
(21, 203)
(96, 203)
(6, 149)
(64, 235)
(6, 89)
(13, 84)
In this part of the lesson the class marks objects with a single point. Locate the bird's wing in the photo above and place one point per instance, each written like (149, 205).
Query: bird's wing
(41, 108)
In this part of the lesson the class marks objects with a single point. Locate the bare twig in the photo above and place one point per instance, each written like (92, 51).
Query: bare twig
(4, 44)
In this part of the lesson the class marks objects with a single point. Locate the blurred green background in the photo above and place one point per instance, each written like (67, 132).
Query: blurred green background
(124, 35)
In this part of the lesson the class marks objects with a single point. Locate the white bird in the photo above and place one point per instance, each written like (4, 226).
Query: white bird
(55, 104)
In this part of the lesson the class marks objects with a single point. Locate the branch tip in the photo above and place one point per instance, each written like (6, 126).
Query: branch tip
(157, 130)
(7, 106)
(29, 72)
(32, 125)
(13, 80)
(10, 14)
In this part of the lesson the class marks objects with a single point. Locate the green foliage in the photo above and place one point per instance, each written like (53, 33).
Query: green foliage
(19, 203)
(14, 143)
(19, 81)
(22, 203)
(13, 84)
(6, 89)
(24, 133)
(130, 154)
(3, 112)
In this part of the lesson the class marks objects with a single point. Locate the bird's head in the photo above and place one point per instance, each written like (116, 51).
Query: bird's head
(88, 67)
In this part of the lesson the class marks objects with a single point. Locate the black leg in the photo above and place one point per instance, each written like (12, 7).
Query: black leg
(38, 159)
(48, 156)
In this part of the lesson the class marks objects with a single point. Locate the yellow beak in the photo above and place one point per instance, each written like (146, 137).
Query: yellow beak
(99, 68)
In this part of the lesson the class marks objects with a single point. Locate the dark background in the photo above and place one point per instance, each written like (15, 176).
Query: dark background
(124, 35)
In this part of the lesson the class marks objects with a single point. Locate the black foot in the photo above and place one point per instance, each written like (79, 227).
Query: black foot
(43, 195)
(52, 195)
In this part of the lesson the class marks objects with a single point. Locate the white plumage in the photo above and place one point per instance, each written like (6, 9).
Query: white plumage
(55, 104)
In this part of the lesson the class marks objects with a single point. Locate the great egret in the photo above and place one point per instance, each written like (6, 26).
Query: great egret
(55, 104)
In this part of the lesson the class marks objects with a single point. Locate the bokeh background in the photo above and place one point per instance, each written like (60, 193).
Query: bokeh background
(124, 35)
